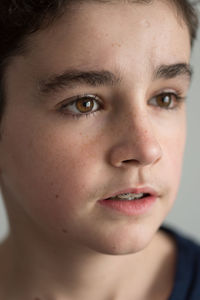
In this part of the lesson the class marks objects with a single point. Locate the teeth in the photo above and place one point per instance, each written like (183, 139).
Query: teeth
(129, 196)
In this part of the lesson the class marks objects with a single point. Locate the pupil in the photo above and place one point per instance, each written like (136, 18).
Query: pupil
(87, 104)
(84, 105)
(165, 100)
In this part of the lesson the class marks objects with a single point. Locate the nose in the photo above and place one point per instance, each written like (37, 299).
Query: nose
(136, 143)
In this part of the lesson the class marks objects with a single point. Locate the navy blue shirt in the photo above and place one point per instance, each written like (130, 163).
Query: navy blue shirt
(187, 277)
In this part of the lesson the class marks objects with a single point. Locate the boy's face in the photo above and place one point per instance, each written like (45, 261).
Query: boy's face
(55, 168)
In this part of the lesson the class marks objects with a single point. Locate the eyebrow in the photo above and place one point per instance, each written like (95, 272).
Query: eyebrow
(95, 78)
(72, 78)
(171, 71)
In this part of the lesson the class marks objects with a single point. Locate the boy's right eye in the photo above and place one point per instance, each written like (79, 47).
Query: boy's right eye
(82, 106)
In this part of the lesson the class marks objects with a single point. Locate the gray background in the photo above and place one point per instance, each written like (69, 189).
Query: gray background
(185, 215)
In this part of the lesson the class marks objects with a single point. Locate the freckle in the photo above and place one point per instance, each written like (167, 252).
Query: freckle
(64, 231)
(57, 196)
(116, 44)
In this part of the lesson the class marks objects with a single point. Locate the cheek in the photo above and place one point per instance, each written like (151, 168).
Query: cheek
(51, 174)
(175, 146)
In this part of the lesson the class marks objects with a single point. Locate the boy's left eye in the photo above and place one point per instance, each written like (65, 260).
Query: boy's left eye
(165, 100)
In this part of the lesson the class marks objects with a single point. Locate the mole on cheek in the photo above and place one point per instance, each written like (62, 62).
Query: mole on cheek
(64, 230)
(57, 196)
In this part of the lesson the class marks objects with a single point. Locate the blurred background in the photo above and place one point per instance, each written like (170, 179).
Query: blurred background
(185, 215)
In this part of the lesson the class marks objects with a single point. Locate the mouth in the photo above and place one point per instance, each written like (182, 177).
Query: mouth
(132, 194)
(131, 202)
(129, 196)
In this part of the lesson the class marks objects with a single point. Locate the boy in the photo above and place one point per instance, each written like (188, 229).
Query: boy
(92, 139)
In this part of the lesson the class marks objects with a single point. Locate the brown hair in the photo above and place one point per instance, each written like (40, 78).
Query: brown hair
(21, 18)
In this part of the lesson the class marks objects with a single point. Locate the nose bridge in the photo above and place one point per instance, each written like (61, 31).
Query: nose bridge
(139, 126)
(137, 140)
(140, 131)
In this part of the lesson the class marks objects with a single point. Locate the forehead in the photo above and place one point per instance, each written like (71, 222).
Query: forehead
(91, 35)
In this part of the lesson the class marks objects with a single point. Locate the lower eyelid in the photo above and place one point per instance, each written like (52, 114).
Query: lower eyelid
(78, 116)
(63, 108)
(176, 103)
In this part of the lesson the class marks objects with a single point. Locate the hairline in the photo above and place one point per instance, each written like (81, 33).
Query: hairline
(50, 19)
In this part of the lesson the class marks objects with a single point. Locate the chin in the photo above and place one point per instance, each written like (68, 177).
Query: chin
(123, 243)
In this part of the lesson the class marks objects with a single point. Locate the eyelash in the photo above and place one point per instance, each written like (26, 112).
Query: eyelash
(80, 97)
(179, 100)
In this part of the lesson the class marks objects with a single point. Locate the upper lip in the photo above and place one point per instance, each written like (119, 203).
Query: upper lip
(138, 190)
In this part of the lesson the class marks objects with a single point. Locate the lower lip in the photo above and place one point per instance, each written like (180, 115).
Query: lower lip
(130, 207)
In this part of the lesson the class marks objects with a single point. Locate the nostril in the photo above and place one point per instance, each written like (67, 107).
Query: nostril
(130, 160)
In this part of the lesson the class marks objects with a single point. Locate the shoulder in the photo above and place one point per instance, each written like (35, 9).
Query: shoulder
(186, 245)
(187, 278)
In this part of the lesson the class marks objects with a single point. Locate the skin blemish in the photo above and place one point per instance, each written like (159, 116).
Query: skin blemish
(64, 230)
(57, 196)
(116, 45)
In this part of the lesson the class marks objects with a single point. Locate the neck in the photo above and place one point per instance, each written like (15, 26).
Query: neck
(45, 269)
